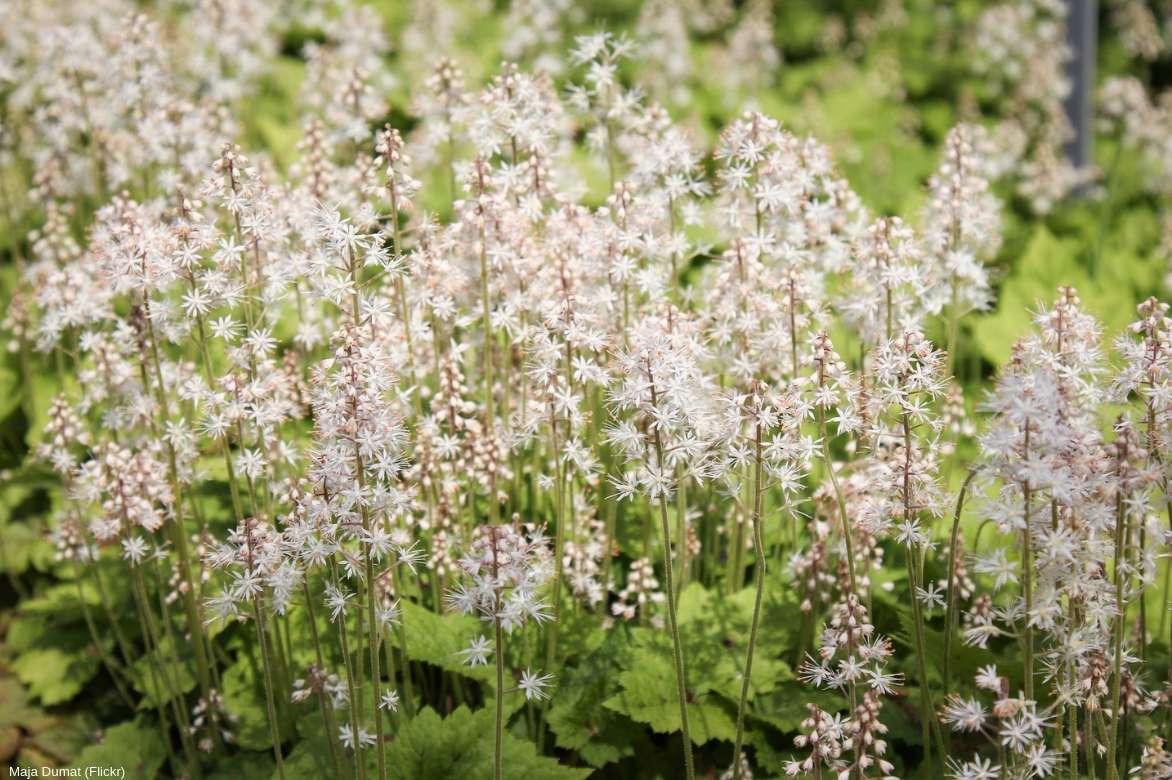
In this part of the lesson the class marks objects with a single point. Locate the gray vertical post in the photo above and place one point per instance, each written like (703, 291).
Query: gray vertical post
(1082, 37)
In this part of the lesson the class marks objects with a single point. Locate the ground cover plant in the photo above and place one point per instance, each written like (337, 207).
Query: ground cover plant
(555, 390)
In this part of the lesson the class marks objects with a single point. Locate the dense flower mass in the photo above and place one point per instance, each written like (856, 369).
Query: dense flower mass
(578, 414)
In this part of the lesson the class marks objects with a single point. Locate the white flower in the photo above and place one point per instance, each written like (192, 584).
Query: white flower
(988, 679)
(346, 737)
(134, 549)
(931, 597)
(336, 600)
(977, 769)
(884, 682)
(963, 714)
(225, 328)
(477, 652)
(534, 685)
(390, 616)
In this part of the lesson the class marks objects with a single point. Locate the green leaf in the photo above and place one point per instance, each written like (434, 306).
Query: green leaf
(10, 393)
(1046, 263)
(580, 631)
(272, 124)
(135, 746)
(62, 601)
(244, 697)
(23, 543)
(785, 707)
(40, 737)
(578, 717)
(766, 755)
(715, 633)
(243, 766)
(46, 387)
(1125, 276)
(161, 675)
(311, 760)
(54, 675)
(649, 696)
(438, 639)
(61, 738)
(14, 707)
(965, 658)
(714, 630)
(19, 547)
(461, 746)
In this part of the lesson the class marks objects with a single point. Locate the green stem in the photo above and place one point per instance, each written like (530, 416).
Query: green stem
(270, 701)
(351, 687)
(838, 498)
(953, 552)
(759, 589)
(928, 711)
(499, 659)
(559, 540)
(327, 714)
(1027, 574)
(1120, 614)
(115, 670)
(672, 622)
(953, 328)
(372, 628)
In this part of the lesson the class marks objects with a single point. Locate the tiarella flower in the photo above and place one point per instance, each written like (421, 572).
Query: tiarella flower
(964, 714)
(534, 685)
(961, 225)
(477, 652)
(336, 601)
(355, 739)
(134, 549)
(977, 769)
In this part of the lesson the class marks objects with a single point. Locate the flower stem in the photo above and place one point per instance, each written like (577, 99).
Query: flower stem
(1112, 768)
(953, 552)
(499, 658)
(758, 588)
(672, 623)
(327, 714)
(1027, 573)
(270, 702)
(846, 531)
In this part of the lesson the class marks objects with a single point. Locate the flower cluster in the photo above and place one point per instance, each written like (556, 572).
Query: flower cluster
(407, 416)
